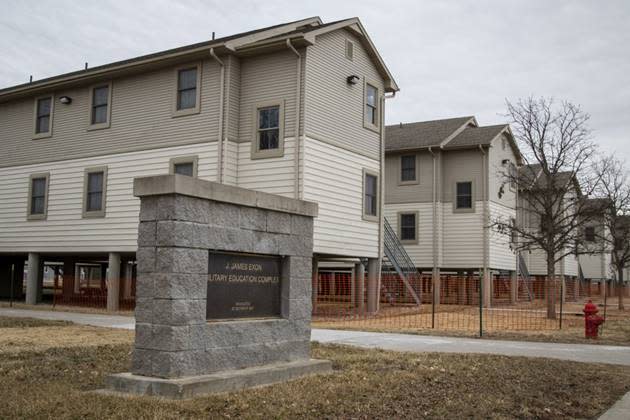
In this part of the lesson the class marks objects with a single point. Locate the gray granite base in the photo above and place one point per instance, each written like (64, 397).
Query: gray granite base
(227, 381)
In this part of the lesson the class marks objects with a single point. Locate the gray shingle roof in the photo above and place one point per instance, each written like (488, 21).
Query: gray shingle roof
(422, 134)
(473, 136)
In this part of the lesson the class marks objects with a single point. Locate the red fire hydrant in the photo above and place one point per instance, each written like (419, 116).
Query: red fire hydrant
(592, 321)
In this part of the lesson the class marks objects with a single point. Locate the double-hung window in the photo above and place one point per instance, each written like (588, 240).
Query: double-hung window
(100, 98)
(408, 169)
(370, 196)
(371, 106)
(187, 95)
(95, 188)
(464, 196)
(43, 116)
(38, 197)
(268, 139)
(408, 227)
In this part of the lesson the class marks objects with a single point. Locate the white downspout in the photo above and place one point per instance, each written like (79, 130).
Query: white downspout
(484, 179)
(434, 199)
(220, 139)
(298, 102)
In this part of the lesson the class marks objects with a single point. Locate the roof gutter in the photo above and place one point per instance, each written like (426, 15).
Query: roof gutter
(220, 142)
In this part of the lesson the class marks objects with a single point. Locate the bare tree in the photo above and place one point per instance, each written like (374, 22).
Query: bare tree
(614, 190)
(555, 141)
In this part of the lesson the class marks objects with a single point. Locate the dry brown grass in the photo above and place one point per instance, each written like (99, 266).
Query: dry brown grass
(64, 308)
(524, 321)
(366, 384)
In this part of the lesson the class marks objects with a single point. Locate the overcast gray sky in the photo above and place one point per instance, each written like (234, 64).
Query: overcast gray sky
(450, 58)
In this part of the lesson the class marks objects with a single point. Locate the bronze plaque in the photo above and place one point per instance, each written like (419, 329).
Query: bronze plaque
(243, 286)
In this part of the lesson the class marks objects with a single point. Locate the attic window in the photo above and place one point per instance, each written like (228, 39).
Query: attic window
(349, 49)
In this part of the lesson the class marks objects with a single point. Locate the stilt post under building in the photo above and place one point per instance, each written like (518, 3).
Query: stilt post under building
(113, 282)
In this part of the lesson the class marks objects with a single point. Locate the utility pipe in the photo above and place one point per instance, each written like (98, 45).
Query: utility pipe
(484, 179)
(298, 102)
(220, 138)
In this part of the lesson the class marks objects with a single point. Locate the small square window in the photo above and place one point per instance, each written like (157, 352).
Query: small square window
(95, 192)
(408, 231)
(185, 165)
(349, 49)
(408, 168)
(464, 195)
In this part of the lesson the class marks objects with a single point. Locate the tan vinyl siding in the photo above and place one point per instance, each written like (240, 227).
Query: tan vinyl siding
(461, 165)
(271, 175)
(420, 192)
(333, 177)
(141, 119)
(501, 256)
(267, 78)
(65, 230)
(230, 162)
(463, 237)
(496, 174)
(421, 253)
(232, 96)
(335, 109)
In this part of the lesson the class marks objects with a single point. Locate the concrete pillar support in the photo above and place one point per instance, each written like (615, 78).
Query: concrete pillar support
(113, 282)
(33, 278)
(359, 279)
(513, 286)
(372, 285)
(436, 285)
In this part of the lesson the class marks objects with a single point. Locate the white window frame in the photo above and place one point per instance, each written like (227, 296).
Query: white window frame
(106, 124)
(183, 160)
(256, 153)
(44, 215)
(102, 211)
(197, 108)
(416, 179)
(367, 124)
(365, 215)
(48, 133)
(470, 209)
(416, 215)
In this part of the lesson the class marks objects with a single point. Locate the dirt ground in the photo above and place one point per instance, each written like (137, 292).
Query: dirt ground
(49, 380)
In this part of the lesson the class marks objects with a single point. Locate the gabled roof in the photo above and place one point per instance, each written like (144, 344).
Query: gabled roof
(301, 33)
(535, 176)
(423, 134)
(448, 134)
(475, 136)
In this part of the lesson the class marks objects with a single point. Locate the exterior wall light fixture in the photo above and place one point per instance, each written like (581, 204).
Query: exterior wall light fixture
(66, 100)
(353, 79)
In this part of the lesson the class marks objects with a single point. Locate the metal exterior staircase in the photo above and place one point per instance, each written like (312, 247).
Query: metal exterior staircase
(396, 259)
(524, 272)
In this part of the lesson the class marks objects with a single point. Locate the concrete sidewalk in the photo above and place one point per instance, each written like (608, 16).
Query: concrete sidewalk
(398, 342)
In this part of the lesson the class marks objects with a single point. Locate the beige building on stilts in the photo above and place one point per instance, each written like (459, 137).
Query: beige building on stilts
(295, 109)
